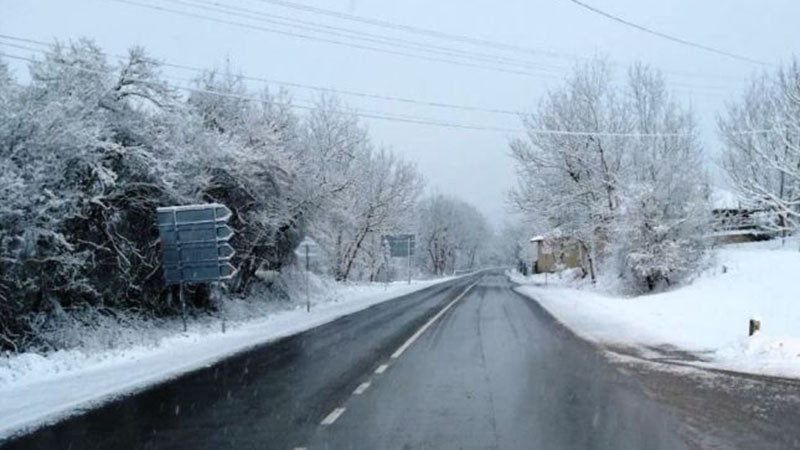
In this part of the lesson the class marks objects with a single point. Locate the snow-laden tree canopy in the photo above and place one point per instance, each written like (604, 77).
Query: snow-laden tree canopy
(90, 147)
(764, 167)
(625, 180)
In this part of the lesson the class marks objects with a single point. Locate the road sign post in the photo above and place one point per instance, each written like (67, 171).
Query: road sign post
(307, 249)
(195, 248)
(408, 257)
(401, 246)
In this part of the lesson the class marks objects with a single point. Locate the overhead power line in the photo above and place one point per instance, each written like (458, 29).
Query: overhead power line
(669, 37)
(358, 113)
(452, 37)
(418, 30)
(548, 69)
(361, 35)
(395, 118)
(268, 81)
(336, 91)
(338, 42)
(372, 48)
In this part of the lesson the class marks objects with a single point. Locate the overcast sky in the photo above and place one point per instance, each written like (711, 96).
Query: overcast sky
(471, 164)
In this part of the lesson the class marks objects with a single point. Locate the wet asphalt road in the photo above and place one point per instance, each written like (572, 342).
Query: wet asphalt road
(493, 371)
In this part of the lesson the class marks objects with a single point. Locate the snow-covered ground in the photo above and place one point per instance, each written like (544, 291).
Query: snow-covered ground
(708, 317)
(37, 389)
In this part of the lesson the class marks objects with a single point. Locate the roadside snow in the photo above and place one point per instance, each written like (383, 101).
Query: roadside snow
(36, 390)
(708, 317)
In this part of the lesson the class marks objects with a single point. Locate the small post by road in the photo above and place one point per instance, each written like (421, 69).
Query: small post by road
(183, 305)
(179, 249)
(408, 257)
(754, 326)
(308, 288)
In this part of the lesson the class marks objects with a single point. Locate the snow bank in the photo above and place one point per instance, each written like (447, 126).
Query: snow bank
(708, 317)
(39, 389)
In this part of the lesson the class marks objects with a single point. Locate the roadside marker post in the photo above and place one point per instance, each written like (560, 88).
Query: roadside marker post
(308, 288)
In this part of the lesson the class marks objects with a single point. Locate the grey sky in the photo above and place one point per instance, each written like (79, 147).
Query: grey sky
(471, 164)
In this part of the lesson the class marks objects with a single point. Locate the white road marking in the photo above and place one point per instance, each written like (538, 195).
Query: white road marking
(301, 448)
(330, 418)
(427, 325)
(361, 388)
(336, 413)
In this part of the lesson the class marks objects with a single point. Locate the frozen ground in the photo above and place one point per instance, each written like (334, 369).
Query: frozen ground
(708, 317)
(37, 389)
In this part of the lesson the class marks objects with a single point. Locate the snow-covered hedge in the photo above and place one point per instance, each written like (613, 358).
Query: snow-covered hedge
(90, 147)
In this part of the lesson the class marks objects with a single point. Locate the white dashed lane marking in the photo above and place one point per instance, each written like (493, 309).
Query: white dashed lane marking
(330, 418)
(427, 325)
(336, 413)
(361, 388)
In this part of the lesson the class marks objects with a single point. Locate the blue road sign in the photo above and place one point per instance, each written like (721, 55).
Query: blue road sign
(194, 242)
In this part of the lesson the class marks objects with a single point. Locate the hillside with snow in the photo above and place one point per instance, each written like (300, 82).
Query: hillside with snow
(707, 317)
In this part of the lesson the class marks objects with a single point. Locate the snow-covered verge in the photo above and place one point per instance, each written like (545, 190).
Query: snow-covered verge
(36, 389)
(708, 317)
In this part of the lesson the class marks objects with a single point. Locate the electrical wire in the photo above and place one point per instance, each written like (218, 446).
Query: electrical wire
(417, 30)
(357, 34)
(392, 117)
(550, 72)
(670, 37)
(457, 38)
(337, 91)
(333, 41)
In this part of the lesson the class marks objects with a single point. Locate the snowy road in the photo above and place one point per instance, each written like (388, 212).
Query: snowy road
(446, 367)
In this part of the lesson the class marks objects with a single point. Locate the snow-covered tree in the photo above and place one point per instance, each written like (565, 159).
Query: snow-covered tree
(572, 180)
(621, 176)
(512, 242)
(81, 230)
(253, 162)
(764, 166)
(664, 212)
(452, 234)
(364, 193)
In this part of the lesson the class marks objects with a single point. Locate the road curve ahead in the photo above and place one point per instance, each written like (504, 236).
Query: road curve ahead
(468, 364)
